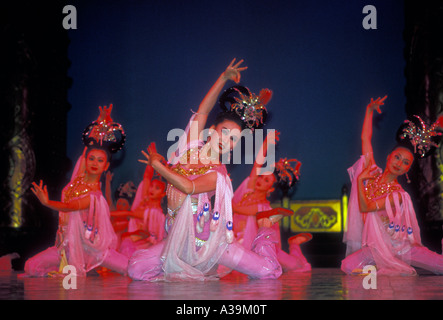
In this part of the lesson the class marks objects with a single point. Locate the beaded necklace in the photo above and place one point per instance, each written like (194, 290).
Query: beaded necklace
(376, 190)
(77, 188)
(194, 156)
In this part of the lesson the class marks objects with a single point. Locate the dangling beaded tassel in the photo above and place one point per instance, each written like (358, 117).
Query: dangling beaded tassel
(391, 228)
(88, 231)
(206, 211)
(214, 221)
(407, 178)
(93, 235)
(200, 222)
(229, 232)
(410, 235)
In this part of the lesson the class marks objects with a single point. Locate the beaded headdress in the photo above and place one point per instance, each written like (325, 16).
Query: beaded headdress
(126, 190)
(421, 136)
(249, 107)
(104, 132)
(287, 171)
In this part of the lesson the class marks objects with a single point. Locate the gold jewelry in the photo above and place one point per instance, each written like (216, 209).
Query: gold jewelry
(77, 188)
(376, 190)
(193, 156)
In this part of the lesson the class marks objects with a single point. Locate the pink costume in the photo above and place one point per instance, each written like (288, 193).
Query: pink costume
(85, 238)
(389, 239)
(153, 222)
(198, 239)
(247, 231)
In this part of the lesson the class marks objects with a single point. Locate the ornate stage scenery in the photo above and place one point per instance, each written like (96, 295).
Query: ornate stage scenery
(154, 61)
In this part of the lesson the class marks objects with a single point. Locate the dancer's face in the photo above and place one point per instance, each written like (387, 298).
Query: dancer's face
(264, 182)
(122, 204)
(156, 190)
(399, 161)
(225, 136)
(96, 162)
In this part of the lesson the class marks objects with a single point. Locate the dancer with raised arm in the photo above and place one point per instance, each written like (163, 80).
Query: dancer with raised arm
(124, 198)
(146, 218)
(382, 228)
(200, 236)
(250, 199)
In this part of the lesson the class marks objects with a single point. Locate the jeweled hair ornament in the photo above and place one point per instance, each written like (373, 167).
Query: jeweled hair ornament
(288, 171)
(420, 135)
(126, 190)
(105, 132)
(249, 107)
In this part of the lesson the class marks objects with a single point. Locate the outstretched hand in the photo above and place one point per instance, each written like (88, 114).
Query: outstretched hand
(109, 176)
(41, 192)
(232, 72)
(152, 155)
(375, 104)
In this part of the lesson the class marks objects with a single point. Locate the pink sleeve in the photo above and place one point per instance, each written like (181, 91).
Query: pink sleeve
(354, 224)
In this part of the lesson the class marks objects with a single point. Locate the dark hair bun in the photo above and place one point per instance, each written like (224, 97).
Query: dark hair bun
(110, 136)
(248, 107)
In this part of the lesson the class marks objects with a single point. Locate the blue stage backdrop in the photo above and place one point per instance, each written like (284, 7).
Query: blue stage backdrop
(155, 61)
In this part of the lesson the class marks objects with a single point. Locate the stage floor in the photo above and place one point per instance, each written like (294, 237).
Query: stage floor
(320, 284)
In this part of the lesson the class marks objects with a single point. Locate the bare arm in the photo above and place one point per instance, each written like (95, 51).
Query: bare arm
(271, 138)
(41, 193)
(147, 177)
(366, 135)
(232, 72)
(137, 213)
(248, 210)
(202, 184)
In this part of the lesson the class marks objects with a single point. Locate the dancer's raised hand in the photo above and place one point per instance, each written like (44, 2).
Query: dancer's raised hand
(375, 104)
(152, 155)
(233, 71)
(41, 192)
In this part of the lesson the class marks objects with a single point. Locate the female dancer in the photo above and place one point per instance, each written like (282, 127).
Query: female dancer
(250, 198)
(146, 218)
(382, 226)
(85, 237)
(198, 242)
(124, 196)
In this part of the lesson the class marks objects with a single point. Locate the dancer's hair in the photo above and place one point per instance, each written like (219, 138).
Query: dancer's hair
(105, 135)
(241, 106)
(418, 137)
